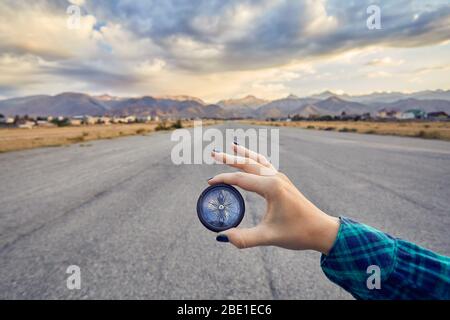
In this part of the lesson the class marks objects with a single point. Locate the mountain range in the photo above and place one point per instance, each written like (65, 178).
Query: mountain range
(327, 102)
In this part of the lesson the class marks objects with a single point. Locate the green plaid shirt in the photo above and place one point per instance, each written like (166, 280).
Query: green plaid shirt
(407, 271)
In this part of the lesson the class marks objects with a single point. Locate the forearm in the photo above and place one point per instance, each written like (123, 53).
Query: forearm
(407, 271)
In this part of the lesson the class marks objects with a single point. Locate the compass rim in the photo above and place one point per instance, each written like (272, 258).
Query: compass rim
(229, 188)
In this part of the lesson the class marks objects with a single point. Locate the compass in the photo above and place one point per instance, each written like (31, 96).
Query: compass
(220, 207)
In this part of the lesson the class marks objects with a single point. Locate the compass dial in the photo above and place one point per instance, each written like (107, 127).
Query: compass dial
(220, 207)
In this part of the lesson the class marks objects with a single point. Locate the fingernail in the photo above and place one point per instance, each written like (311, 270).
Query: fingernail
(216, 150)
(222, 238)
(209, 178)
(235, 141)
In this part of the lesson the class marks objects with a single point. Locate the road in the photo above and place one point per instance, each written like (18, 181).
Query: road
(121, 211)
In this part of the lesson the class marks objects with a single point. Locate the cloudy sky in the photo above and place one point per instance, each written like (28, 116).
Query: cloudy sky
(216, 49)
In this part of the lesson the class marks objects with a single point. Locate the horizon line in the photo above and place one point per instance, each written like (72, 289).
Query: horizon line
(168, 96)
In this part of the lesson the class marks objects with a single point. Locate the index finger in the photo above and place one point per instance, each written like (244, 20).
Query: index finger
(246, 181)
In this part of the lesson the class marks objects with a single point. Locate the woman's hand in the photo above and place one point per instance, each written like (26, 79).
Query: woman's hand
(291, 221)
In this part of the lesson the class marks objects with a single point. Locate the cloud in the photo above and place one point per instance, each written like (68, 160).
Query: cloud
(379, 74)
(231, 35)
(174, 45)
(77, 2)
(386, 61)
(428, 69)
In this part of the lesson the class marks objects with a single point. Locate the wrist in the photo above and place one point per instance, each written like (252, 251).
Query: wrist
(324, 233)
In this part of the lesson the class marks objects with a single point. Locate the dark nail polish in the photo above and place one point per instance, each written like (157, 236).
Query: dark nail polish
(222, 238)
(235, 141)
(216, 150)
(209, 178)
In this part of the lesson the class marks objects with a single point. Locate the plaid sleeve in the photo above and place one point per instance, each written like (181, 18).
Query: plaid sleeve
(406, 270)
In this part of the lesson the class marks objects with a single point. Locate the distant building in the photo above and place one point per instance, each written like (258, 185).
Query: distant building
(130, 119)
(24, 124)
(124, 119)
(44, 123)
(439, 115)
(90, 120)
(144, 119)
(76, 121)
(413, 114)
(104, 120)
(6, 120)
(389, 114)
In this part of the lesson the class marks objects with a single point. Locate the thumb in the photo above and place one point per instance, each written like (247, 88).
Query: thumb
(244, 237)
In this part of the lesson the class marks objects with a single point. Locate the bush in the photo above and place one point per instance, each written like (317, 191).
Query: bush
(76, 139)
(329, 129)
(61, 123)
(345, 129)
(370, 132)
(177, 125)
(162, 125)
(428, 134)
(310, 127)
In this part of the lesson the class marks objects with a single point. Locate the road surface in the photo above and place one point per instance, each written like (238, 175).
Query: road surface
(121, 211)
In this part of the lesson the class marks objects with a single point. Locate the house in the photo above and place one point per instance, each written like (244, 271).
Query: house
(388, 114)
(130, 119)
(76, 121)
(119, 120)
(144, 119)
(6, 120)
(89, 120)
(439, 115)
(104, 120)
(25, 124)
(44, 123)
(413, 114)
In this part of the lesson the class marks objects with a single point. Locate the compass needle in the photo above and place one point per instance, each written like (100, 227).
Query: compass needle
(220, 207)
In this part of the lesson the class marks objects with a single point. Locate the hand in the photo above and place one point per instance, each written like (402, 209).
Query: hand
(291, 221)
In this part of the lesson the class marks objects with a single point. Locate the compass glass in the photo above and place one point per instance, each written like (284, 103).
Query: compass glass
(220, 207)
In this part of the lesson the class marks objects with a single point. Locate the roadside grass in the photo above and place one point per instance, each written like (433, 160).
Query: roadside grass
(417, 129)
(12, 139)
(345, 129)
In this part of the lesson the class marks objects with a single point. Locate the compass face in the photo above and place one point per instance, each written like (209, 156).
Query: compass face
(220, 207)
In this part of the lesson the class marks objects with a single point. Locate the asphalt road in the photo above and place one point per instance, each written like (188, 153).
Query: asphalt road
(122, 212)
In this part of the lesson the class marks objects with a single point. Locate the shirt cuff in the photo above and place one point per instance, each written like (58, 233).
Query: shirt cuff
(358, 246)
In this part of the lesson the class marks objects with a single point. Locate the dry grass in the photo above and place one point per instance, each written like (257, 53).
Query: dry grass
(12, 139)
(419, 129)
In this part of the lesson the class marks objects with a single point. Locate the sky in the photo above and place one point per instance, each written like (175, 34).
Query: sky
(218, 49)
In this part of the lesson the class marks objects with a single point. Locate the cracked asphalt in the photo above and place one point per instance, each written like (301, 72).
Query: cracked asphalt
(122, 212)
